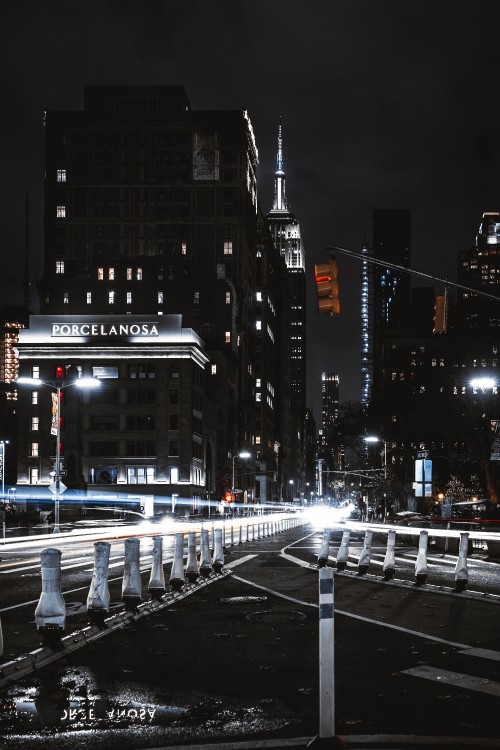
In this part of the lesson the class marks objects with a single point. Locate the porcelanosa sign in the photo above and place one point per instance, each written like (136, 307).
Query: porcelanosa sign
(104, 329)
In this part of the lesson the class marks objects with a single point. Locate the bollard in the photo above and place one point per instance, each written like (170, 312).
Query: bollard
(156, 585)
(366, 552)
(132, 584)
(461, 571)
(421, 563)
(389, 566)
(324, 549)
(343, 553)
(240, 533)
(205, 559)
(50, 612)
(247, 532)
(218, 561)
(192, 560)
(98, 596)
(177, 579)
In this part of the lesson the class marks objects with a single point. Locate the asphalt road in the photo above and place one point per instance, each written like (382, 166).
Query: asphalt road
(237, 660)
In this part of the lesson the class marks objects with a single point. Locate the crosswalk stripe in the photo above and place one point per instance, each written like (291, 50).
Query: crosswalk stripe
(457, 679)
(483, 653)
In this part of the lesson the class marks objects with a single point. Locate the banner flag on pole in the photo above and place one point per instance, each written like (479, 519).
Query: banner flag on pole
(53, 424)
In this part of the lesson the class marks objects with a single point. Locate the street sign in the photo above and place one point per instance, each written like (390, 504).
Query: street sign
(422, 454)
(53, 488)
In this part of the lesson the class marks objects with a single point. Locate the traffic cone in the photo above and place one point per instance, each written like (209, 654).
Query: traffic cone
(156, 585)
(192, 560)
(324, 549)
(343, 553)
(177, 579)
(366, 552)
(389, 566)
(218, 561)
(205, 559)
(461, 572)
(421, 563)
(50, 612)
(132, 583)
(98, 596)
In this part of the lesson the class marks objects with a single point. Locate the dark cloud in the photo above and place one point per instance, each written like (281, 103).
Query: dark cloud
(384, 103)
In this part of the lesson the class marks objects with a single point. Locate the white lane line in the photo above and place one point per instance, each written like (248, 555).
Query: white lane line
(275, 593)
(483, 653)
(240, 561)
(444, 677)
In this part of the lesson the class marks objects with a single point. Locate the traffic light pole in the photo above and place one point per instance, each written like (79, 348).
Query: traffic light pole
(332, 249)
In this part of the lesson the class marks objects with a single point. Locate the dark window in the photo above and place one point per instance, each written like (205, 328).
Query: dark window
(104, 422)
(173, 448)
(140, 448)
(104, 396)
(140, 422)
(174, 397)
(104, 448)
(173, 422)
(141, 396)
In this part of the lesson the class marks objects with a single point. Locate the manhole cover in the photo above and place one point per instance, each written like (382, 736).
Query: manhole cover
(277, 615)
(244, 599)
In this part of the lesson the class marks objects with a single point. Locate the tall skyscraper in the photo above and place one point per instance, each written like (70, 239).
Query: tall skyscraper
(285, 231)
(479, 268)
(391, 242)
(152, 277)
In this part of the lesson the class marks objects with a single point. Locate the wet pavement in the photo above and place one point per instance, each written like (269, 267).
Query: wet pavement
(237, 660)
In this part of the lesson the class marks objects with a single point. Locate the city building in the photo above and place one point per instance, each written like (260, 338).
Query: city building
(151, 213)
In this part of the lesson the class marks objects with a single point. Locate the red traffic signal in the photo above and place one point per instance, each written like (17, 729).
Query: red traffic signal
(327, 287)
(228, 497)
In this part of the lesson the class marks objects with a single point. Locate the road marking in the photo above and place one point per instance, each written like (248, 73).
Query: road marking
(275, 593)
(483, 653)
(239, 561)
(478, 684)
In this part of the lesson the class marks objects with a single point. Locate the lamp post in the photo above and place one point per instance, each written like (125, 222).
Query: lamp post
(482, 384)
(3, 443)
(56, 428)
(241, 454)
(373, 439)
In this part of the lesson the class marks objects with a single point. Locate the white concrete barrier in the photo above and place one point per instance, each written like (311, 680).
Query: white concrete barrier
(192, 572)
(218, 560)
(177, 579)
(156, 585)
(50, 612)
(132, 583)
(98, 596)
(421, 561)
(366, 553)
(461, 570)
(205, 559)
(389, 566)
(324, 549)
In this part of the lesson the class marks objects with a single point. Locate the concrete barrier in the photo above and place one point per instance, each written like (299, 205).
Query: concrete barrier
(389, 566)
(98, 596)
(177, 579)
(205, 559)
(192, 572)
(461, 571)
(343, 552)
(324, 549)
(366, 553)
(421, 561)
(50, 612)
(218, 559)
(132, 583)
(156, 585)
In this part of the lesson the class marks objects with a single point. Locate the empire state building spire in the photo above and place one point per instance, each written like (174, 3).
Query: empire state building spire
(279, 203)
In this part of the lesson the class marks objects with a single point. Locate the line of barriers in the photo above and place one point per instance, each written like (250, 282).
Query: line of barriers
(200, 566)
(389, 564)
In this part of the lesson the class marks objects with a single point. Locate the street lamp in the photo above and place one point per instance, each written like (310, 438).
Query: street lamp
(3, 443)
(241, 454)
(373, 439)
(56, 428)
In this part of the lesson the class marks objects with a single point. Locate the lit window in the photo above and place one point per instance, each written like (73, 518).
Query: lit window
(111, 274)
(111, 297)
(89, 298)
(228, 298)
(34, 397)
(66, 298)
(214, 369)
(160, 298)
(228, 337)
(34, 475)
(61, 212)
(59, 266)
(184, 248)
(228, 247)
(129, 274)
(34, 449)
(257, 382)
(258, 325)
(34, 423)
(35, 372)
(129, 298)
(196, 298)
(258, 396)
(258, 296)
(138, 274)
(61, 175)
(100, 274)
(257, 440)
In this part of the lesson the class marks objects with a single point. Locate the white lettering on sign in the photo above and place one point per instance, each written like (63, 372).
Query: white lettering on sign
(104, 329)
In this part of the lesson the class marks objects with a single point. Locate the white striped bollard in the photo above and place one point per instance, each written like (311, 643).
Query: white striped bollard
(177, 579)
(50, 612)
(132, 583)
(205, 559)
(461, 571)
(366, 553)
(326, 655)
(192, 560)
(324, 549)
(98, 596)
(389, 566)
(421, 561)
(218, 561)
(156, 585)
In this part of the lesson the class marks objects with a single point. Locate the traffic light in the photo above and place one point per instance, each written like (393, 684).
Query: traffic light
(228, 497)
(441, 314)
(327, 287)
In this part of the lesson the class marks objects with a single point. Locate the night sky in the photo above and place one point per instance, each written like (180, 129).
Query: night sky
(385, 103)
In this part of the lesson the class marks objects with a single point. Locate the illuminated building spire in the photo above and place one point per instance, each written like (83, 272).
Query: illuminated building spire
(279, 203)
